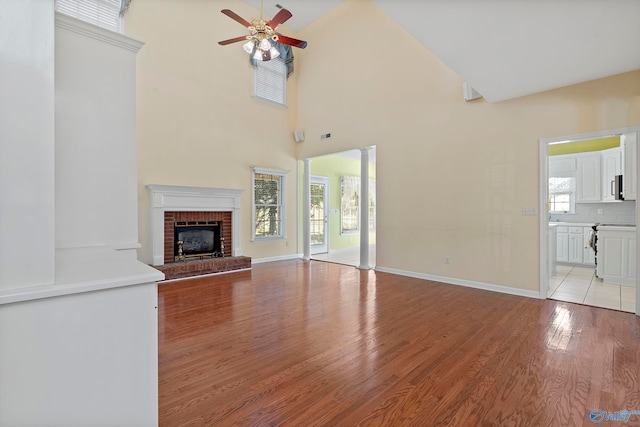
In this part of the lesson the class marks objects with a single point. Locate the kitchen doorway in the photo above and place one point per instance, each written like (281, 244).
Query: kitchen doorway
(574, 196)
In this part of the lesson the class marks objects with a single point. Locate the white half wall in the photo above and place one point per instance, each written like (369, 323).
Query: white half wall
(87, 359)
(26, 144)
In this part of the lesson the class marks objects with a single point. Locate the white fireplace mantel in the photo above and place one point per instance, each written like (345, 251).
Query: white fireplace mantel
(171, 198)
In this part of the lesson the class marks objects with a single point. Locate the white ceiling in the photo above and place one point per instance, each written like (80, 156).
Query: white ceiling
(509, 48)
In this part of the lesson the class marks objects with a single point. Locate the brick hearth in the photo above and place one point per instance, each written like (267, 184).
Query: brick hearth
(198, 267)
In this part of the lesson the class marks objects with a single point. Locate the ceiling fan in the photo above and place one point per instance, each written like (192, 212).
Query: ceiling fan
(258, 43)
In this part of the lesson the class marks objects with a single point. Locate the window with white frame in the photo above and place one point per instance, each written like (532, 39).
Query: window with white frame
(268, 204)
(350, 205)
(562, 195)
(103, 13)
(270, 81)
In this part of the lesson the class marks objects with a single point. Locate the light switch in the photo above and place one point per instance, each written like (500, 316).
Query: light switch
(530, 210)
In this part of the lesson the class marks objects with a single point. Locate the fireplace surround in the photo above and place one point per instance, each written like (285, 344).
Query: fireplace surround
(170, 203)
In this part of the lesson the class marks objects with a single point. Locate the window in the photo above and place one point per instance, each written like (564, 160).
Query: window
(350, 205)
(103, 13)
(270, 81)
(268, 204)
(562, 191)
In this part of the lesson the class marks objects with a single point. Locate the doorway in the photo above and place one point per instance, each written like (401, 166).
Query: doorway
(319, 188)
(573, 278)
(335, 210)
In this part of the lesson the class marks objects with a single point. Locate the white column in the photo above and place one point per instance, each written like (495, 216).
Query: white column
(27, 173)
(364, 208)
(306, 210)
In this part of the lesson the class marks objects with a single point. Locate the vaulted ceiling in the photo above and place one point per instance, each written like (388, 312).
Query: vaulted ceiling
(509, 48)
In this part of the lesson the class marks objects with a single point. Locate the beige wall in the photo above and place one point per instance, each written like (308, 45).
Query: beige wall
(197, 124)
(452, 176)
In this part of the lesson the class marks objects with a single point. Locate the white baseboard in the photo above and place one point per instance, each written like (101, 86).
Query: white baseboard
(275, 258)
(462, 282)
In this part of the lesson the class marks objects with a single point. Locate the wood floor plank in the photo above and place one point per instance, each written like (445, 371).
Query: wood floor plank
(297, 343)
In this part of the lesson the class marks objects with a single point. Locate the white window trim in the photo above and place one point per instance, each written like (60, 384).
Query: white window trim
(283, 214)
(256, 89)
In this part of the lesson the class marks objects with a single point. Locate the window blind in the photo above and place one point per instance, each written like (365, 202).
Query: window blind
(103, 13)
(270, 81)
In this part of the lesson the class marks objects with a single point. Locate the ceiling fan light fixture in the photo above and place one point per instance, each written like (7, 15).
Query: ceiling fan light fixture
(259, 42)
(248, 46)
(265, 45)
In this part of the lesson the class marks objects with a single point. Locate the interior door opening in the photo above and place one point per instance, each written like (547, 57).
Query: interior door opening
(335, 208)
(575, 200)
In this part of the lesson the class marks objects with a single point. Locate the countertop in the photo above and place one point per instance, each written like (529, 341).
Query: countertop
(572, 224)
(629, 227)
(621, 227)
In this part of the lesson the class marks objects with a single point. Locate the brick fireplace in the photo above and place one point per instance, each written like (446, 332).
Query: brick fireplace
(172, 219)
(173, 206)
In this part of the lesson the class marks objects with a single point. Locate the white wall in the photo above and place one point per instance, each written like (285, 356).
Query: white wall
(95, 192)
(26, 143)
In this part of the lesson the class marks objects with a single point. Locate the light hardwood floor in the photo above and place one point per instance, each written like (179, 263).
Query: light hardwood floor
(296, 343)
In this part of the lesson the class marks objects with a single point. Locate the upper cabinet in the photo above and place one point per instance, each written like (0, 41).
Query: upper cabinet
(630, 165)
(588, 178)
(595, 171)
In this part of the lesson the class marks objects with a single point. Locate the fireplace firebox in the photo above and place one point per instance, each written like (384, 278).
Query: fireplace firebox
(198, 239)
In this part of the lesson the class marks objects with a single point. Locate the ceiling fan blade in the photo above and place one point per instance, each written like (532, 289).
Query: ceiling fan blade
(281, 17)
(290, 41)
(236, 17)
(233, 40)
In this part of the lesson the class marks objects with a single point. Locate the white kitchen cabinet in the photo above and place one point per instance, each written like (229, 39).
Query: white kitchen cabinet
(576, 247)
(572, 245)
(617, 255)
(611, 166)
(630, 169)
(589, 255)
(588, 182)
(562, 246)
(553, 245)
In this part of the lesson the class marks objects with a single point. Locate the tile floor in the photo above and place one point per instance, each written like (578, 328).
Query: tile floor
(348, 256)
(579, 284)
